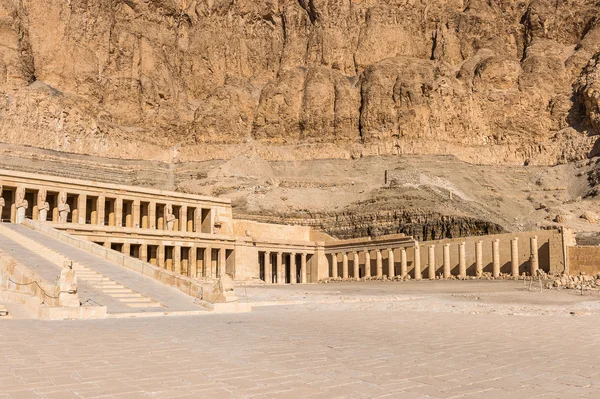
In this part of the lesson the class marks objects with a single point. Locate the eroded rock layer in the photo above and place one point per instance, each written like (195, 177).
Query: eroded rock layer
(502, 82)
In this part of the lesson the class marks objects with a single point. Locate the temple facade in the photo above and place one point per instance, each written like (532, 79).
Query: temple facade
(198, 237)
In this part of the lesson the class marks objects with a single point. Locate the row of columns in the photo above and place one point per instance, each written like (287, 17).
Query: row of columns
(431, 261)
(379, 263)
(189, 266)
(105, 210)
(280, 270)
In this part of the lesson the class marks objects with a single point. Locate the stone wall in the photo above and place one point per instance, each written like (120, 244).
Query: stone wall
(584, 259)
(268, 231)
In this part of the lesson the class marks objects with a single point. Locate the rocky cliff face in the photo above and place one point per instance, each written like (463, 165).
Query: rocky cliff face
(491, 82)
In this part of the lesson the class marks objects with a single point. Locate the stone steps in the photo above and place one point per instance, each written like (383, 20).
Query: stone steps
(84, 273)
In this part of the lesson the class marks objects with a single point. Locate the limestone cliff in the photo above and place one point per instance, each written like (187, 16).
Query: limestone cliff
(498, 82)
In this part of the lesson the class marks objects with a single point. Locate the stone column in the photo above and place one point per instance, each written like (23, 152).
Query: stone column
(431, 262)
(81, 209)
(367, 263)
(462, 259)
(391, 261)
(100, 210)
(207, 263)
(334, 265)
(126, 249)
(268, 268)
(193, 262)
(177, 259)
(496, 258)
(144, 252)
(279, 266)
(107, 244)
(160, 254)
(136, 213)
(222, 261)
(119, 212)
(152, 215)
(303, 278)
(183, 218)
(479, 258)
(345, 265)
(447, 268)
(379, 263)
(514, 257)
(403, 263)
(534, 262)
(293, 275)
(356, 264)
(417, 260)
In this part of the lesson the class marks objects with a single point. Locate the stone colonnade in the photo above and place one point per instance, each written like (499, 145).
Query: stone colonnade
(284, 267)
(340, 266)
(188, 260)
(348, 264)
(85, 207)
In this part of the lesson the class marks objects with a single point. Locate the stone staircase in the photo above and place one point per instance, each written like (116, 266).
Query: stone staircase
(83, 273)
(103, 282)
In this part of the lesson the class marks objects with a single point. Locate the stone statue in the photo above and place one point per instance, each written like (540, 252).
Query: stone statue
(68, 295)
(43, 206)
(1, 203)
(169, 217)
(21, 205)
(63, 208)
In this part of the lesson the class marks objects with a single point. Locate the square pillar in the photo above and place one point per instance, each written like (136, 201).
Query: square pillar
(293, 275)
(279, 266)
(136, 213)
(379, 263)
(119, 212)
(183, 218)
(208, 262)
(152, 215)
(193, 263)
(177, 259)
(126, 249)
(81, 208)
(303, 278)
(345, 265)
(160, 254)
(268, 268)
(222, 262)
(100, 210)
(144, 252)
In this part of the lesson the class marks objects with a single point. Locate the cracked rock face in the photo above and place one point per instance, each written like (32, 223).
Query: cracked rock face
(590, 91)
(490, 82)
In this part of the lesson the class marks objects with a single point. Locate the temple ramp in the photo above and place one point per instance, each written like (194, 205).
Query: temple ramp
(101, 281)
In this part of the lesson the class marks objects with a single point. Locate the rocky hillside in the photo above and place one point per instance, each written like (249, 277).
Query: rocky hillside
(497, 82)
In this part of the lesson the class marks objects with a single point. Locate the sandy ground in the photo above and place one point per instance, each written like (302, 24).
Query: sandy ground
(474, 297)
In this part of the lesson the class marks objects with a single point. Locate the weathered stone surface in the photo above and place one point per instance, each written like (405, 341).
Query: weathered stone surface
(491, 82)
